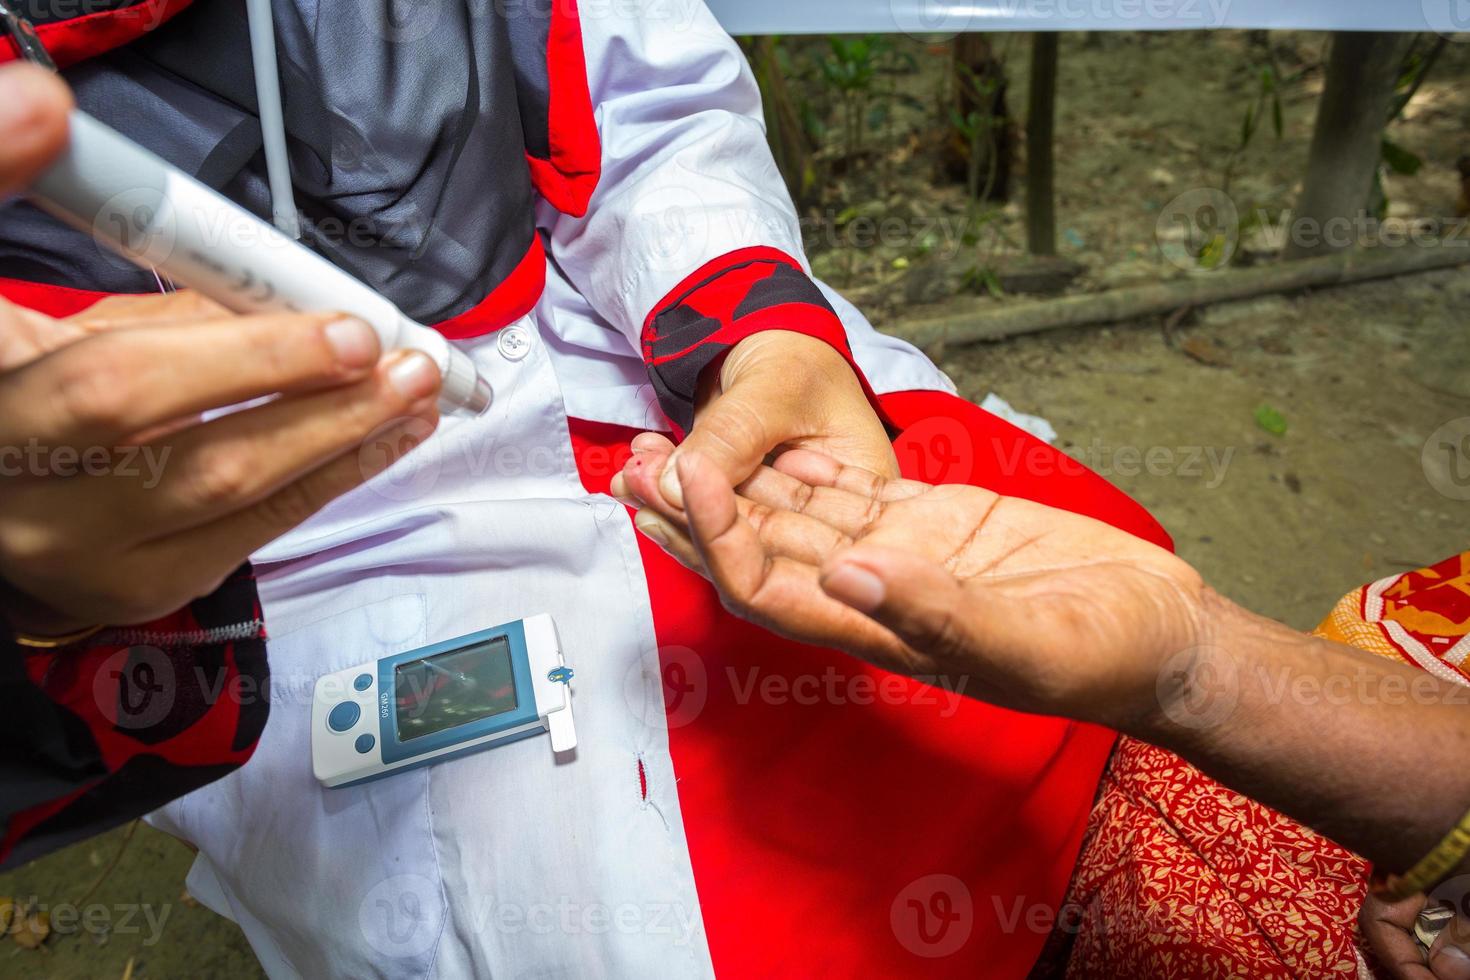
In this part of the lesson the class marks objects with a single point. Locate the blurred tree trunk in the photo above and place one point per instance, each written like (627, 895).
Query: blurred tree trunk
(1041, 221)
(1347, 143)
(784, 131)
(983, 162)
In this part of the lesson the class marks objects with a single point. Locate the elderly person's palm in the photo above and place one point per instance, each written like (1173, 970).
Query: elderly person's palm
(1042, 609)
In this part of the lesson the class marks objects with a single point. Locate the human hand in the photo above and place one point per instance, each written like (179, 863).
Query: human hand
(1039, 609)
(775, 390)
(25, 334)
(1389, 931)
(120, 505)
(33, 107)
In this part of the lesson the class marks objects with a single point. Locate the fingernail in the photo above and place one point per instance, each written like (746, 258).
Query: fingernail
(652, 527)
(415, 376)
(354, 343)
(1451, 963)
(618, 486)
(668, 484)
(855, 586)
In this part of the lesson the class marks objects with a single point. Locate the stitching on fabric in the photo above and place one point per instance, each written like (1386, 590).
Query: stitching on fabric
(438, 876)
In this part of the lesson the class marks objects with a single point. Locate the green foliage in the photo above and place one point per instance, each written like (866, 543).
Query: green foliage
(812, 121)
(852, 68)
(981, 280)
(1271, 420)
(1214, 253)
(1400, 160)
(1267, 101)
(975, 125)
(1415, 68)
(852, 65)
(979, 129)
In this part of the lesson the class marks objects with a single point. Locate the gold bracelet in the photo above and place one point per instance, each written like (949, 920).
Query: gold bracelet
(55, 642)
(1435, 867)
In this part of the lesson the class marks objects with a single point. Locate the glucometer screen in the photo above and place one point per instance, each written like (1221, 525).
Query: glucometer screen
(455, 688)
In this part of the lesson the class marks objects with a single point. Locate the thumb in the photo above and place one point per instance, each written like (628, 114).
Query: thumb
(33, 108)
(1449, 957)
(731, 433)
(918, 599)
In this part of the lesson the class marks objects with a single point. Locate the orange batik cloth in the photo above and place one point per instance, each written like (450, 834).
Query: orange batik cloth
(1180, 877)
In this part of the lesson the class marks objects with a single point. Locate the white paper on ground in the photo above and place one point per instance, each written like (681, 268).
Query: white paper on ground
(1034, 424)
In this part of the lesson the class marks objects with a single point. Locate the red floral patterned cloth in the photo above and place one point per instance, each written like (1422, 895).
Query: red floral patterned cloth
(1181, 877)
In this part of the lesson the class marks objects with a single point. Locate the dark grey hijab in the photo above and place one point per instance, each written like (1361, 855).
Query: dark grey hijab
(404, 127)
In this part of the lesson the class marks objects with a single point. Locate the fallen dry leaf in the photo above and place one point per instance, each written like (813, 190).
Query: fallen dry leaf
(33, 931)
(1206, 352)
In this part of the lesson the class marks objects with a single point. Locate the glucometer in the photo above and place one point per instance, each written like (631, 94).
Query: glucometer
(160, 218)
(436, 702)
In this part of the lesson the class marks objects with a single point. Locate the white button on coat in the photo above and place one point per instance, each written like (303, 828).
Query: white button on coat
(514, 342)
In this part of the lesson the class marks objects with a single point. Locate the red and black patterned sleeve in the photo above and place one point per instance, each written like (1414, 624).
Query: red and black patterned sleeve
(719, 305)
(115, 726)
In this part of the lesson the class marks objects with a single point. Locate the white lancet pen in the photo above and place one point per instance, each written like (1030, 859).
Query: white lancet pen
(161, 218)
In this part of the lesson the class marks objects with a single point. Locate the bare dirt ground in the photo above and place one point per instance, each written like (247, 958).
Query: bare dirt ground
(1285, 524)
(1363, 375)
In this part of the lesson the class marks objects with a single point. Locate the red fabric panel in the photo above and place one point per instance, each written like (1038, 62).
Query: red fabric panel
(71, 41)
(511, 300)
(948, 440)
(57, 301)
(568, 179)
(847, 822)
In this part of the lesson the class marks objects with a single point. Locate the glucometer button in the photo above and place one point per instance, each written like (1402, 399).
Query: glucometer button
(363, 682)
(344, 716)
(364, 744)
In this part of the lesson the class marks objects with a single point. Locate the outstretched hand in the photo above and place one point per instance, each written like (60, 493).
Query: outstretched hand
(1043, 610)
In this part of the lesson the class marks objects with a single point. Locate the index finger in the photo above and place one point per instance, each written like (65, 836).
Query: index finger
(148, 309)
(820, 470)
(772, 590)
(107, 387)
